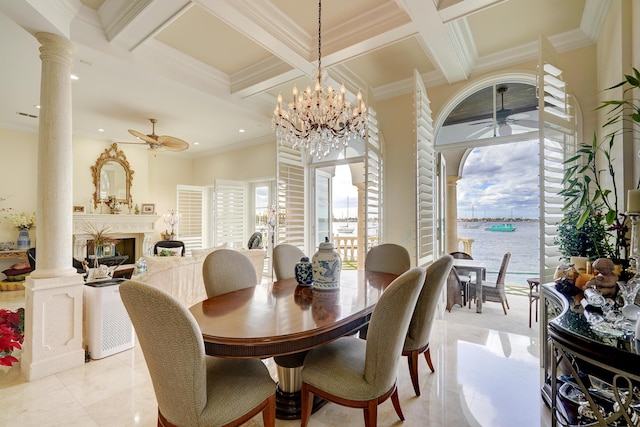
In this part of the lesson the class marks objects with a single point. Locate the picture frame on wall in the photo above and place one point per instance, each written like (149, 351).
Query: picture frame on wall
(78, 209)
(148, 208)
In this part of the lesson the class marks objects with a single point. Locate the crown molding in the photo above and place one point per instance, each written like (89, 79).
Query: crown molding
(593, 17)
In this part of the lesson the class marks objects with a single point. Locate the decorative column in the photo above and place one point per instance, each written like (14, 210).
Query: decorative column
(362, 225)
(53, 292)
(451, 242)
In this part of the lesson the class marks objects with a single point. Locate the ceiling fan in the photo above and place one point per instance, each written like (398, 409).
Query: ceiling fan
(504, 117)
(158, 142)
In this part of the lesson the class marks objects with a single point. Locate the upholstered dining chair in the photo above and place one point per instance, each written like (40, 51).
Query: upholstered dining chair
(169, 244)
(388, 258)
(226, 270)
(417, 340)
(362, 374)
(193, 389)
(285, 258)
(494, 292)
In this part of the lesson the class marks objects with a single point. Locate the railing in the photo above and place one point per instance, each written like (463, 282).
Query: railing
(347, 246)
(466, 244)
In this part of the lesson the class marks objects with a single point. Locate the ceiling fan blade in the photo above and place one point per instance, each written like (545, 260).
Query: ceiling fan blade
(171, 143)
(526, 123)
(132, 142)
(142, 136)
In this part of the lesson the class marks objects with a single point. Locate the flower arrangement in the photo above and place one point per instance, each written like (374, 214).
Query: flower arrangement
(11, 334)
(23, 221)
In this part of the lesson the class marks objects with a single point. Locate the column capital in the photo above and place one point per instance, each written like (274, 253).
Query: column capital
(56, 48)
(452, 179)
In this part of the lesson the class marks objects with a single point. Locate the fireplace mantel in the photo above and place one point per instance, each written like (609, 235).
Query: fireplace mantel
(140, 227)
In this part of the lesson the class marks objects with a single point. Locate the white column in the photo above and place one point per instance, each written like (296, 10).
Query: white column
(451, 243)
(53, 292)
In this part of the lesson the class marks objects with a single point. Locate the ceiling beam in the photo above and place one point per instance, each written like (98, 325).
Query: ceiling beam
(443, 52)
(464, 8)
(53, 16)
(130, 23)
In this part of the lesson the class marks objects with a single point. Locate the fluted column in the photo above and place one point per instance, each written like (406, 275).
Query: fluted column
(55, 162)
(452, 214)
(54, 291)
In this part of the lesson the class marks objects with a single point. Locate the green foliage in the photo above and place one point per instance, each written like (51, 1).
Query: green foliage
(586, 198)
(590, 240)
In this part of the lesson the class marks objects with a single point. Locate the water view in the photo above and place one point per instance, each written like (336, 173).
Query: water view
(490, 247)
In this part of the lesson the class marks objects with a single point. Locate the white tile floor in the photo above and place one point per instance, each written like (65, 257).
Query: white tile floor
(484, 377)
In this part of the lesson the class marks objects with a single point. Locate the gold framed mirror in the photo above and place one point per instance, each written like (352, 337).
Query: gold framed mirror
(112, 176)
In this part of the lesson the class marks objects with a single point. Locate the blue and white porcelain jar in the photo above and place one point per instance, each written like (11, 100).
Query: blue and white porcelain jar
(304, 272)
(327, 265)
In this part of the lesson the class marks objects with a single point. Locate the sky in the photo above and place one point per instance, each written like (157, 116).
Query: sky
(497, 182)
(500, 182)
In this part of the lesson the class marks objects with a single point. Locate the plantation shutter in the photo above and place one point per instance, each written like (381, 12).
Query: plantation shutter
(426, 171)
(191, 210)
(230, 201)
(373, 187)
(557, 143)
(291, 173)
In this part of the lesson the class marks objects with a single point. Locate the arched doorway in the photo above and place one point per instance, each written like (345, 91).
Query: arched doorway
(489, 135)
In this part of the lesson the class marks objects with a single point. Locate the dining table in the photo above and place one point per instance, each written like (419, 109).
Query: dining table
(478, 268)
(284, 320)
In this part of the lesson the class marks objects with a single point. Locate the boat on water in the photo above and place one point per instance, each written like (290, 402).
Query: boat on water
(345, 229)
(501, 227)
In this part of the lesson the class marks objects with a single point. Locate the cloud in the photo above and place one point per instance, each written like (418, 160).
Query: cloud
(500, 181)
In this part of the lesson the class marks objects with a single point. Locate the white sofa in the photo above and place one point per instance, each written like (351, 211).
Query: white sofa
(182, 276)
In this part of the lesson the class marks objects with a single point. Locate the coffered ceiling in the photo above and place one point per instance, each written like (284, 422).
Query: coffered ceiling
(208, 68)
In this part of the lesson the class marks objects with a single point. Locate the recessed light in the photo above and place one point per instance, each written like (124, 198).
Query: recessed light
(196, 143)
(37, 106)
(74, 77)
(241, 130)
(100, 130)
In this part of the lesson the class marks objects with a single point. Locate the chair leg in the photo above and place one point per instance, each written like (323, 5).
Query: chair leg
(306, 405)
(504, 308)
(396, 404)
(371, 414)
(269, 413)
(412, 358)
(427, 356)
(507, 302)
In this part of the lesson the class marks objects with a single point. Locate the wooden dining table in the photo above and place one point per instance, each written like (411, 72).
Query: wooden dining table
(284, 320)
(463, 267)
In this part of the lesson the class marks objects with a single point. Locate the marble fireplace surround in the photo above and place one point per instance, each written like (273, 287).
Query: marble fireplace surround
(120, 226)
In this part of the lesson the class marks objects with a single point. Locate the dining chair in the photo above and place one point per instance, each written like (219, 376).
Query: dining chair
(285, 258)
(176, 245)
(388, 258)
(455, 291)
(465, 279)
(417, 340)
(226, 270)
(494, 291)
(191, 388)
(534, 295)
(363, 373)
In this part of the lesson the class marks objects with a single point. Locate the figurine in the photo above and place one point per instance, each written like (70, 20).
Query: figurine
(605, 278)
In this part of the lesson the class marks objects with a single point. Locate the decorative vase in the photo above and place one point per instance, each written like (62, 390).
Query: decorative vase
(304, 272)
(327, 265)
(24, 241)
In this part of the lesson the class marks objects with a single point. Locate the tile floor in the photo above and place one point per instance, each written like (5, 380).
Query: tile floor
(484, 377)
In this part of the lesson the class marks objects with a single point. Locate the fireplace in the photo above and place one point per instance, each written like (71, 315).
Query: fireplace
(135, 232)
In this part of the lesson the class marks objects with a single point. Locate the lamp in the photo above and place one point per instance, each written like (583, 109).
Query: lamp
(322, 120)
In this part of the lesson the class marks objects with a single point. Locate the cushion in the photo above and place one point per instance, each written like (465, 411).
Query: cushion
(169, 251)
(21, 265)
(18, 278)
(17, 272)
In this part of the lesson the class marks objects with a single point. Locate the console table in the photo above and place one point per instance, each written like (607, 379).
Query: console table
(577, 362)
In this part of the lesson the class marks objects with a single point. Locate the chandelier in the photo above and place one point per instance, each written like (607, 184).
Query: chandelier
(321, 120)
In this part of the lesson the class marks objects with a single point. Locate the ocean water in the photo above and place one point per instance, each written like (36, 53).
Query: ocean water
(490, 247)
